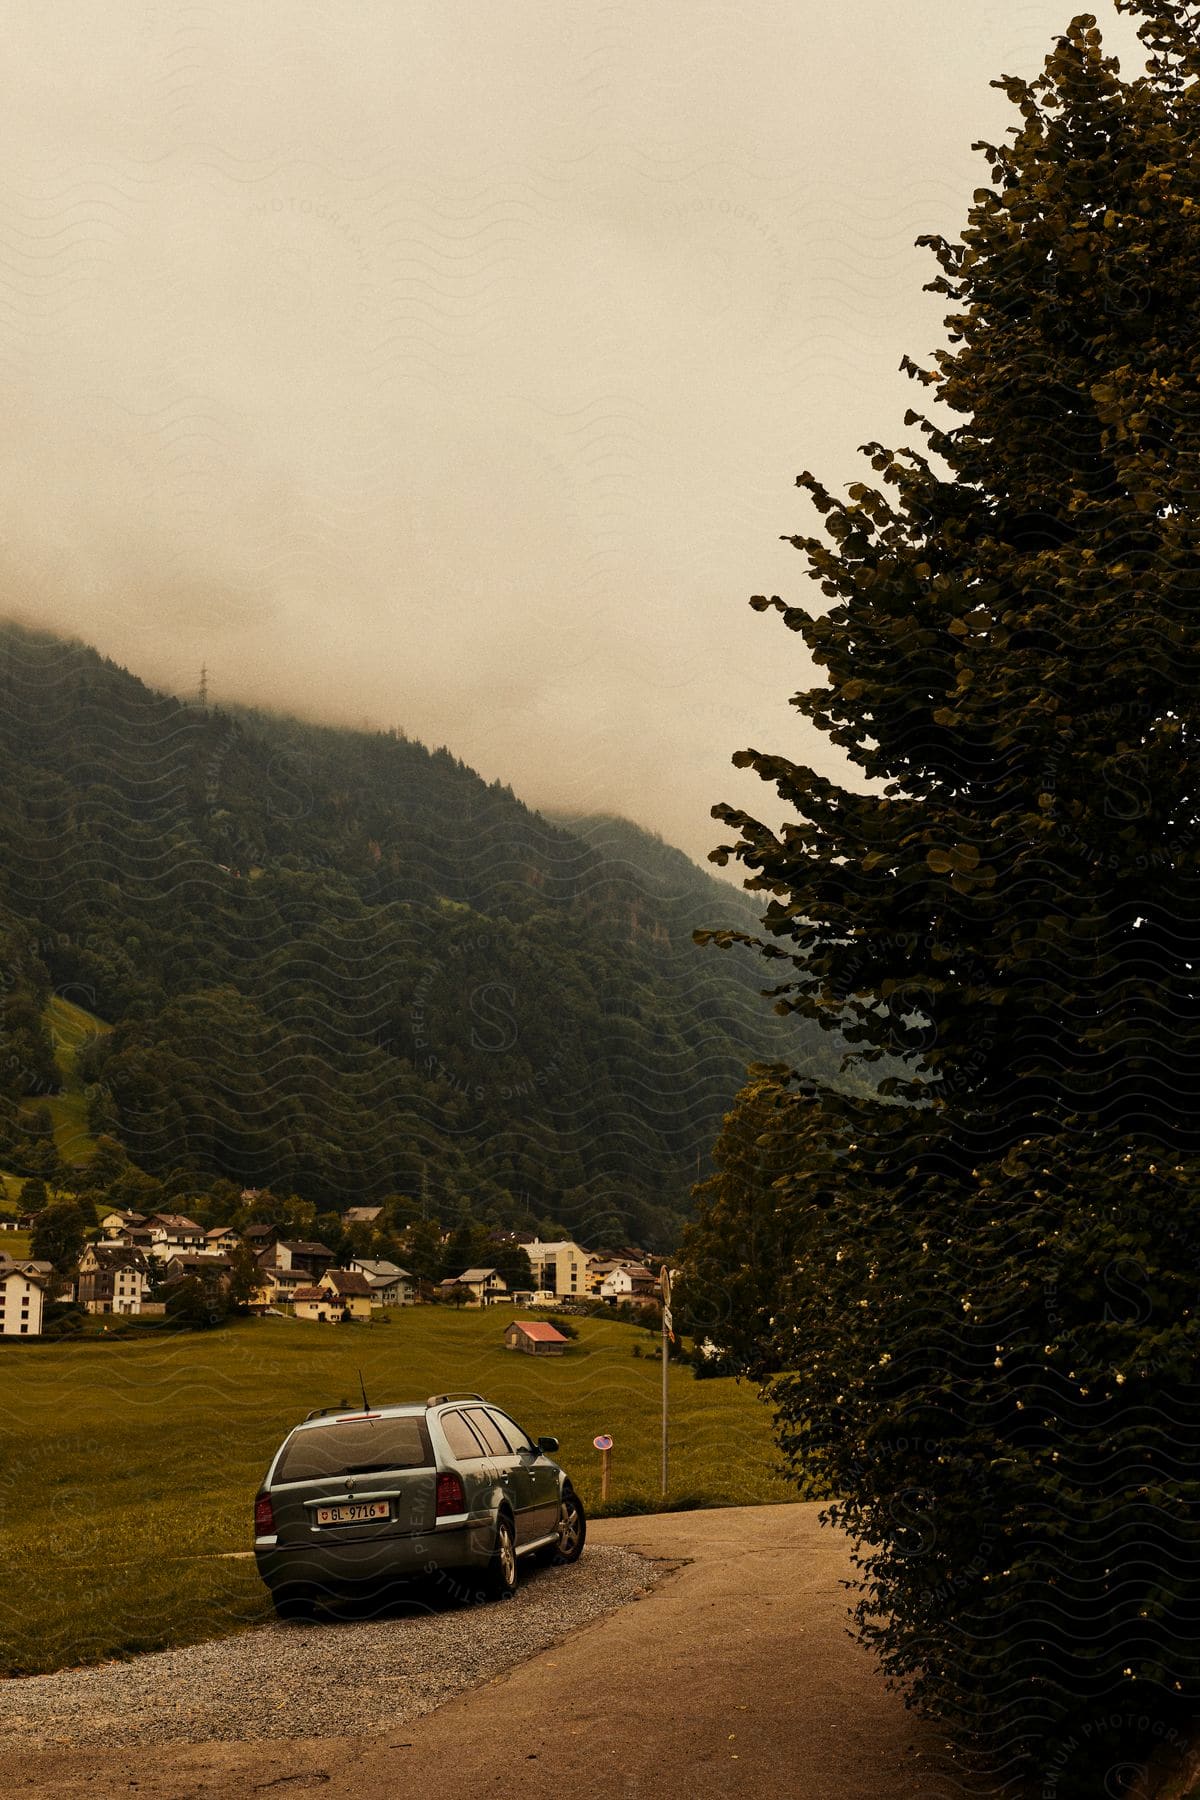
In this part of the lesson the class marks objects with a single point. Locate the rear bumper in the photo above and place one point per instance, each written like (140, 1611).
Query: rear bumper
(351, 1566)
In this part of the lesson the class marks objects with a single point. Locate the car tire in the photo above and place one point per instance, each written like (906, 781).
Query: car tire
(572, 1531)
(500, 1577)
(294, 1603)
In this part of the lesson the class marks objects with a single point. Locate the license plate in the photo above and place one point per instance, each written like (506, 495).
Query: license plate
(355, 1512)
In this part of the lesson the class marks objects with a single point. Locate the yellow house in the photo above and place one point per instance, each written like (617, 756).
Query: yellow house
(340, 1294)
(276, 1287)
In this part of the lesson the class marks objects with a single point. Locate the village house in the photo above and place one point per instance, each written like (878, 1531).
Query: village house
(113, 1278)
(118, 1224)
(630, 1283)
(390, 1284)
(222, 1240)
(213, 1273)
(560, 1266)
(277, 1287)
(362, 1215)
(287, 1266)
(135, 1236)
(309, 1302)
(598, 1267)
(351, 1289)
(486, 1286)
(199, 1262)
(340, 1294)
(535, 1337)
(23, 1289)
(294, 1256)
(170, 1232)
(451, 1288)
(260, 1237)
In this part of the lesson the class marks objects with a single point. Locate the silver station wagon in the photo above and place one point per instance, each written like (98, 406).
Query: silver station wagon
(450, 1489)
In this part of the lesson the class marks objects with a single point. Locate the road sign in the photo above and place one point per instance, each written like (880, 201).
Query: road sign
(603, 1442)
(665, 1279)
(668, 1322)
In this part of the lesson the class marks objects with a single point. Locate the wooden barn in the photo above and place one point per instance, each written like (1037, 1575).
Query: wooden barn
(534, 1337)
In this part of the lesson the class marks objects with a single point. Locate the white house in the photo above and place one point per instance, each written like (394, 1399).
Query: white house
(170, 1232)
(597, 1268)
(390, 1284)
(113, 1278)
(222, 1240)
(22, 1299)
(560, 1266)
(629, 1283)
(487, 1286)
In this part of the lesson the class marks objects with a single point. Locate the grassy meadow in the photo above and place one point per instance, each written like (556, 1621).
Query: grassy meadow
(130, 1463)
(70, 1027)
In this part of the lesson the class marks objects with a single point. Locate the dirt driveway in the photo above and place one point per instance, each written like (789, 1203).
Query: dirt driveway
(733, 1676)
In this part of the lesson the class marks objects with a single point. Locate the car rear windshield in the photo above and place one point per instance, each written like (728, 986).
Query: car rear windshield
(357, 1447)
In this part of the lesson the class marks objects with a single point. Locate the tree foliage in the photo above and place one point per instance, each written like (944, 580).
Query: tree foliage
(59, 1233)
(990, 1328)
(736, 1257)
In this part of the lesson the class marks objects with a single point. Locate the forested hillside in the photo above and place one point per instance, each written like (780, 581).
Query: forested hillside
(342, 965)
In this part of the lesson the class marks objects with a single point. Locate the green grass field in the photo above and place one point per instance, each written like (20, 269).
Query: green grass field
(70, 1026)
(131, 1464)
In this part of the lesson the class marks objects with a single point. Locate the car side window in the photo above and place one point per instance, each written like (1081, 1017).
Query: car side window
(516, 1437)
(486, 1426)
(462, 1440)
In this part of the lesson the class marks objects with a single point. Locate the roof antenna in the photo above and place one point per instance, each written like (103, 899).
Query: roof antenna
(362, 1384)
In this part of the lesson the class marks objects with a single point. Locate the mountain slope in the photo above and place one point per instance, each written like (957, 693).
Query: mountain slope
(343, 965)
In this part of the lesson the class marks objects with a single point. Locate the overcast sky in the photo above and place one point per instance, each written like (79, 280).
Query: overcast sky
(448, 365)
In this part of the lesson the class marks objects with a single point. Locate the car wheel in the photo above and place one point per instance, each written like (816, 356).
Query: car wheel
(294, 1603)
(572, 1531)
(500, 1579)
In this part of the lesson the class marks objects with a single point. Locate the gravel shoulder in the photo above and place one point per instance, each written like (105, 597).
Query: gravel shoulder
(735, 1677)
(328, 1679)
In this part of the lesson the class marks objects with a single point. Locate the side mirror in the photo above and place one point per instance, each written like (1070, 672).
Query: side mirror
(547, 1445)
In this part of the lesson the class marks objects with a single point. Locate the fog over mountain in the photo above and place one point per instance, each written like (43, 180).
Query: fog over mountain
(447, 366)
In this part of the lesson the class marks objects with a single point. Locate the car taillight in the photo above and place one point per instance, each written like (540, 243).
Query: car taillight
(264, 1516)
(450, 1496)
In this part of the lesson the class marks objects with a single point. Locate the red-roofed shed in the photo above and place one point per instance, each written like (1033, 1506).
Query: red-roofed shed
(534, 1337)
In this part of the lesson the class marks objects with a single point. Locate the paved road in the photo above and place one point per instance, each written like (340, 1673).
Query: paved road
(734, 1676)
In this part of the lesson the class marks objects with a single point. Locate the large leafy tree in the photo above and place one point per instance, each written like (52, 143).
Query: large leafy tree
(994, 1309)
(749, 1231)
(58, 1235)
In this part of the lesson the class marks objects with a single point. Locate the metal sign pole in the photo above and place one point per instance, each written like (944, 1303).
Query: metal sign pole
(604, 1445)
(665, 1279)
